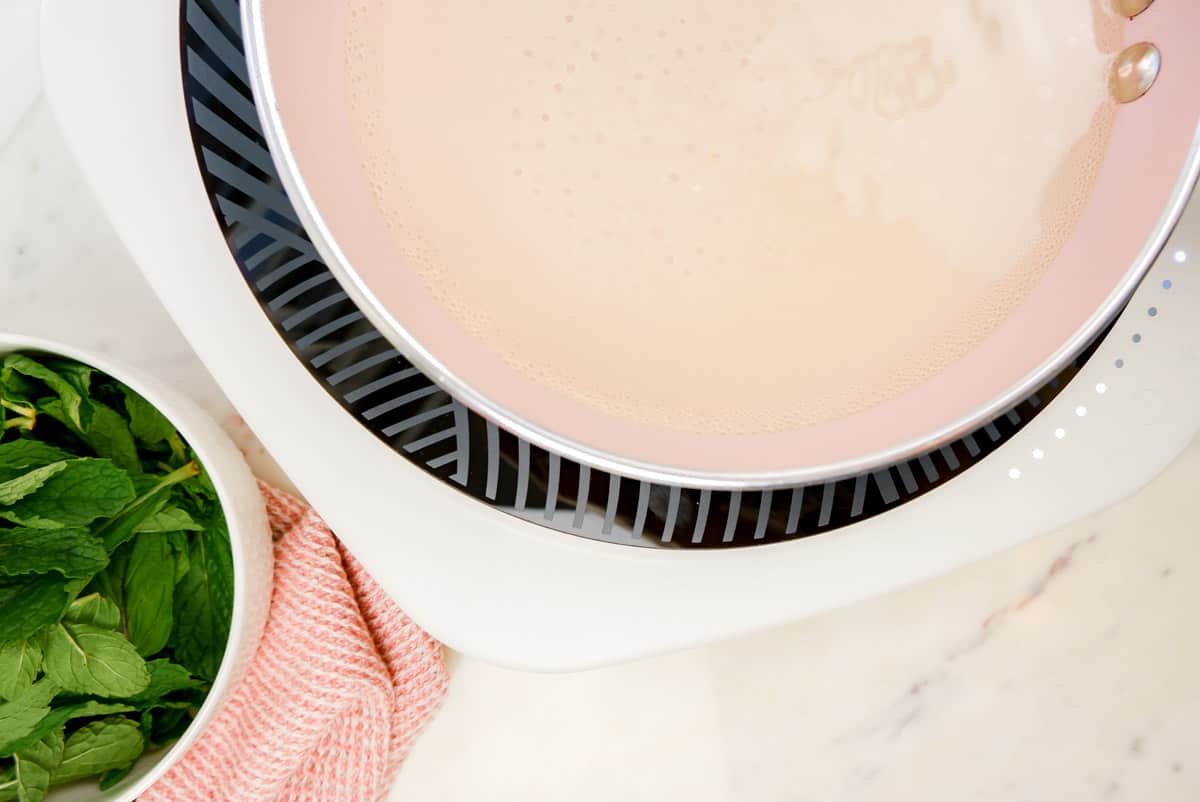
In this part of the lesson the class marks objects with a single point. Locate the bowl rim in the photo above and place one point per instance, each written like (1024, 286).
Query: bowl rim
(169, 403)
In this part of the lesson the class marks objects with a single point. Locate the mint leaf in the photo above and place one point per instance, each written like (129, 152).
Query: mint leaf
(107, 435)
(219, 565)
(28, 521)
(178, 704)
(59, 716)
(169, 724)
(76, 408)
(30, 603)
(95, 610)
(35, 765)
(147, 504)
(204, 601)
(124, 526)
(16, 388)
(170, 519)
(21, 456)
(18, 488)
(202, 490)
(21, 715)
(179, 547)
(145, 421)
(101, 746)
(86, 489)
(113, 776)
(93, 708)
(86, 659)
(73, 586)
(146, 725)
(70, 552)
(166, 677)
(20, 662)
(74, 373)
(149, 593)
(110, 583)
(8, 784)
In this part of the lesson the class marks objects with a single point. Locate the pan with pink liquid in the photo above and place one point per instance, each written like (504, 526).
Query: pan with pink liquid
(298, 55)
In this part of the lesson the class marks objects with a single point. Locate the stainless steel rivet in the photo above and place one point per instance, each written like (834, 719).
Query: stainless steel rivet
(1131, 8)
(1134, 72)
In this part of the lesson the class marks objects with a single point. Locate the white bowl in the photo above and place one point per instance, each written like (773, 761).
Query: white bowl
(249, 538)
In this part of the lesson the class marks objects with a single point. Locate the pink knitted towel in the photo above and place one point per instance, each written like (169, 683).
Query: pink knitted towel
(341, 685)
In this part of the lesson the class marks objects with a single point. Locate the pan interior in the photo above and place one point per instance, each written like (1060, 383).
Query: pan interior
(730, 220)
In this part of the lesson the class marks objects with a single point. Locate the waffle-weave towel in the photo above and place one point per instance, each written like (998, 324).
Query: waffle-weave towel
(342, 684)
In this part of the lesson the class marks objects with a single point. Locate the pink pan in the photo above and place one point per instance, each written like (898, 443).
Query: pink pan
(298, 63)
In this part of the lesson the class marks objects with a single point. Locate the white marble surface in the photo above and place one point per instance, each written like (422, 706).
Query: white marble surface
(1067, 669)
(18, 59)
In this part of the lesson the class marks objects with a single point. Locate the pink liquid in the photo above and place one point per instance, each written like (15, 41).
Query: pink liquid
(731, 217)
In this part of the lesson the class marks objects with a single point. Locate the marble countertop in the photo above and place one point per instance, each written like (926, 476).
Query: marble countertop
(1066, 669)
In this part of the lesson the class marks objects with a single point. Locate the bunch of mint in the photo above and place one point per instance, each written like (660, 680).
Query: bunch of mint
(116, 577)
